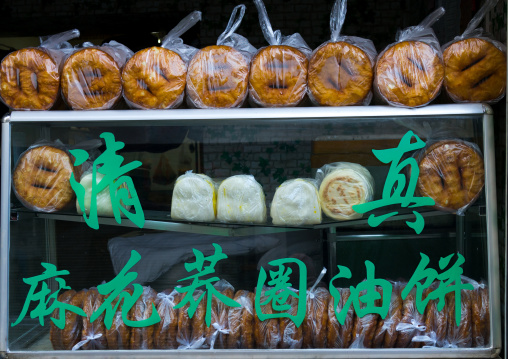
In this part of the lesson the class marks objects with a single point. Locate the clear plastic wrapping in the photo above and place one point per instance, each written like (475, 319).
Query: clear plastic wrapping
(364, 328)
(55, 333)
(412, 323)
(241, 322)
(241, 199)
(341, 70)
(93, 335)
(459, 336)
(291, 336)
(480, 315)
(343, 185)
(191, 331)
(91, 76)
(410, 72)
(475, 64)
(451, 173)
(218, 332)
(194, 198)
(103, 198)
(266, 332)
(119, 334)
(340, 335)
(166, 330)
(30, 77)
(386, 333)
(218, 75)
(142, 338)
(41, 179)
(155, 78)
(278, 75)
(316, 318)
(296, 202)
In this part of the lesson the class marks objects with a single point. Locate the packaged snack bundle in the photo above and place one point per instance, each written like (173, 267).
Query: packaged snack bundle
(412, 323)
(143, 338)
(218, 75)
(241, 322)
(339, 335)
(93, 336)
(278, 75)
(315, 324)
(410, 72)
(343, 185)
(194, 198)
(218, 332)
(155, 78)
(41, 179)
(167, 329)
(475, 65)
(266, 332)
(118, 336)
(451, 173)
(30, 78)
(296, 202)
(91, 76)
(386, 333)
(191, 331)
(341, 70)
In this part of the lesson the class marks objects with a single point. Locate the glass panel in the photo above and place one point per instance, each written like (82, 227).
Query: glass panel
(272, 151)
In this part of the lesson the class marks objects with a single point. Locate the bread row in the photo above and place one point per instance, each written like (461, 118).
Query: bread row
(451, 172)
(241, 328)
(340, 72)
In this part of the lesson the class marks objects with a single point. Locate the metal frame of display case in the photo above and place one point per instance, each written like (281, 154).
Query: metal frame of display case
(252, 116)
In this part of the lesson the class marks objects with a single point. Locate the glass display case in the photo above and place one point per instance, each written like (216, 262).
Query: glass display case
(273, 145)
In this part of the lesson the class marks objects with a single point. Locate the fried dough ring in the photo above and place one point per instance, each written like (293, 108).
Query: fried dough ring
(41, 179)
(29, 80)
(451, 173)
(217, 78)
(409, 73)
(154, 78)
(340, 74)
(91, 80)
(278, 76)
(475, 71)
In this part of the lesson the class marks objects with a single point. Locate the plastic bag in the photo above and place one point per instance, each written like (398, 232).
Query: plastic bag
(266, 332)
(339, 335)
(452, 173)
(278, 75)
(194, 198)
(410, 72)
(241, 322)
(93, 336)
(241, 199)
(341, 70)
(191, 331)
(480, 315)
(412, 322)
(102, 199)
(364, 328)
(167, 329)
(41, 179)
(218, 331)
(119, 334)
(291, 336)
(475, 64)
(30, 78)
(343, 185)
(296, 202)
(218, 75)
(459, 336)
(316, 317)
(55, 333)
(386, 333)
(142, 338)
(91, 76)
(155, 78)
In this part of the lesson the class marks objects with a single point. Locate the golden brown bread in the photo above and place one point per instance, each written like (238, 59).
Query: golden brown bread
(142, 338)
(198, 323)
(94, 332)
(29, 80)
(248, 322)
(316, 319)
(154, 78)
(118, 335)
(266, 332)
(55, 333)
(451, 173)
(219, 316)
(459, 336)
(409, 73)
(475, 71)
(386, 335)
(71, 334)
(412, 322)
(340, 74)
(166, 330)
(235, 321)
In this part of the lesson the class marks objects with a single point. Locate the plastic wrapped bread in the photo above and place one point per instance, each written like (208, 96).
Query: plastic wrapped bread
(459, 336)
(194, 198)
(93, 335)
(344, 185)
(55, 333)
(142, 338)
(119, 334)
(412, 322)
(218, 331)
(296, 202)
(291, 335)
(191, 331)
(480, 315)
(316, 318)
(103, 198)
(266, 332)
(241, 199)
(241, 322)
(386, 334)
(339, 335)
(166, 330)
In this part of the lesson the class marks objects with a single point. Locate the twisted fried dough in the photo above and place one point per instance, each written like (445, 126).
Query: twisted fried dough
(409, 73)
(29, 80)
(475, 71)
(55, 333)
(340, 74)
(451, 173)
(154, 78)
